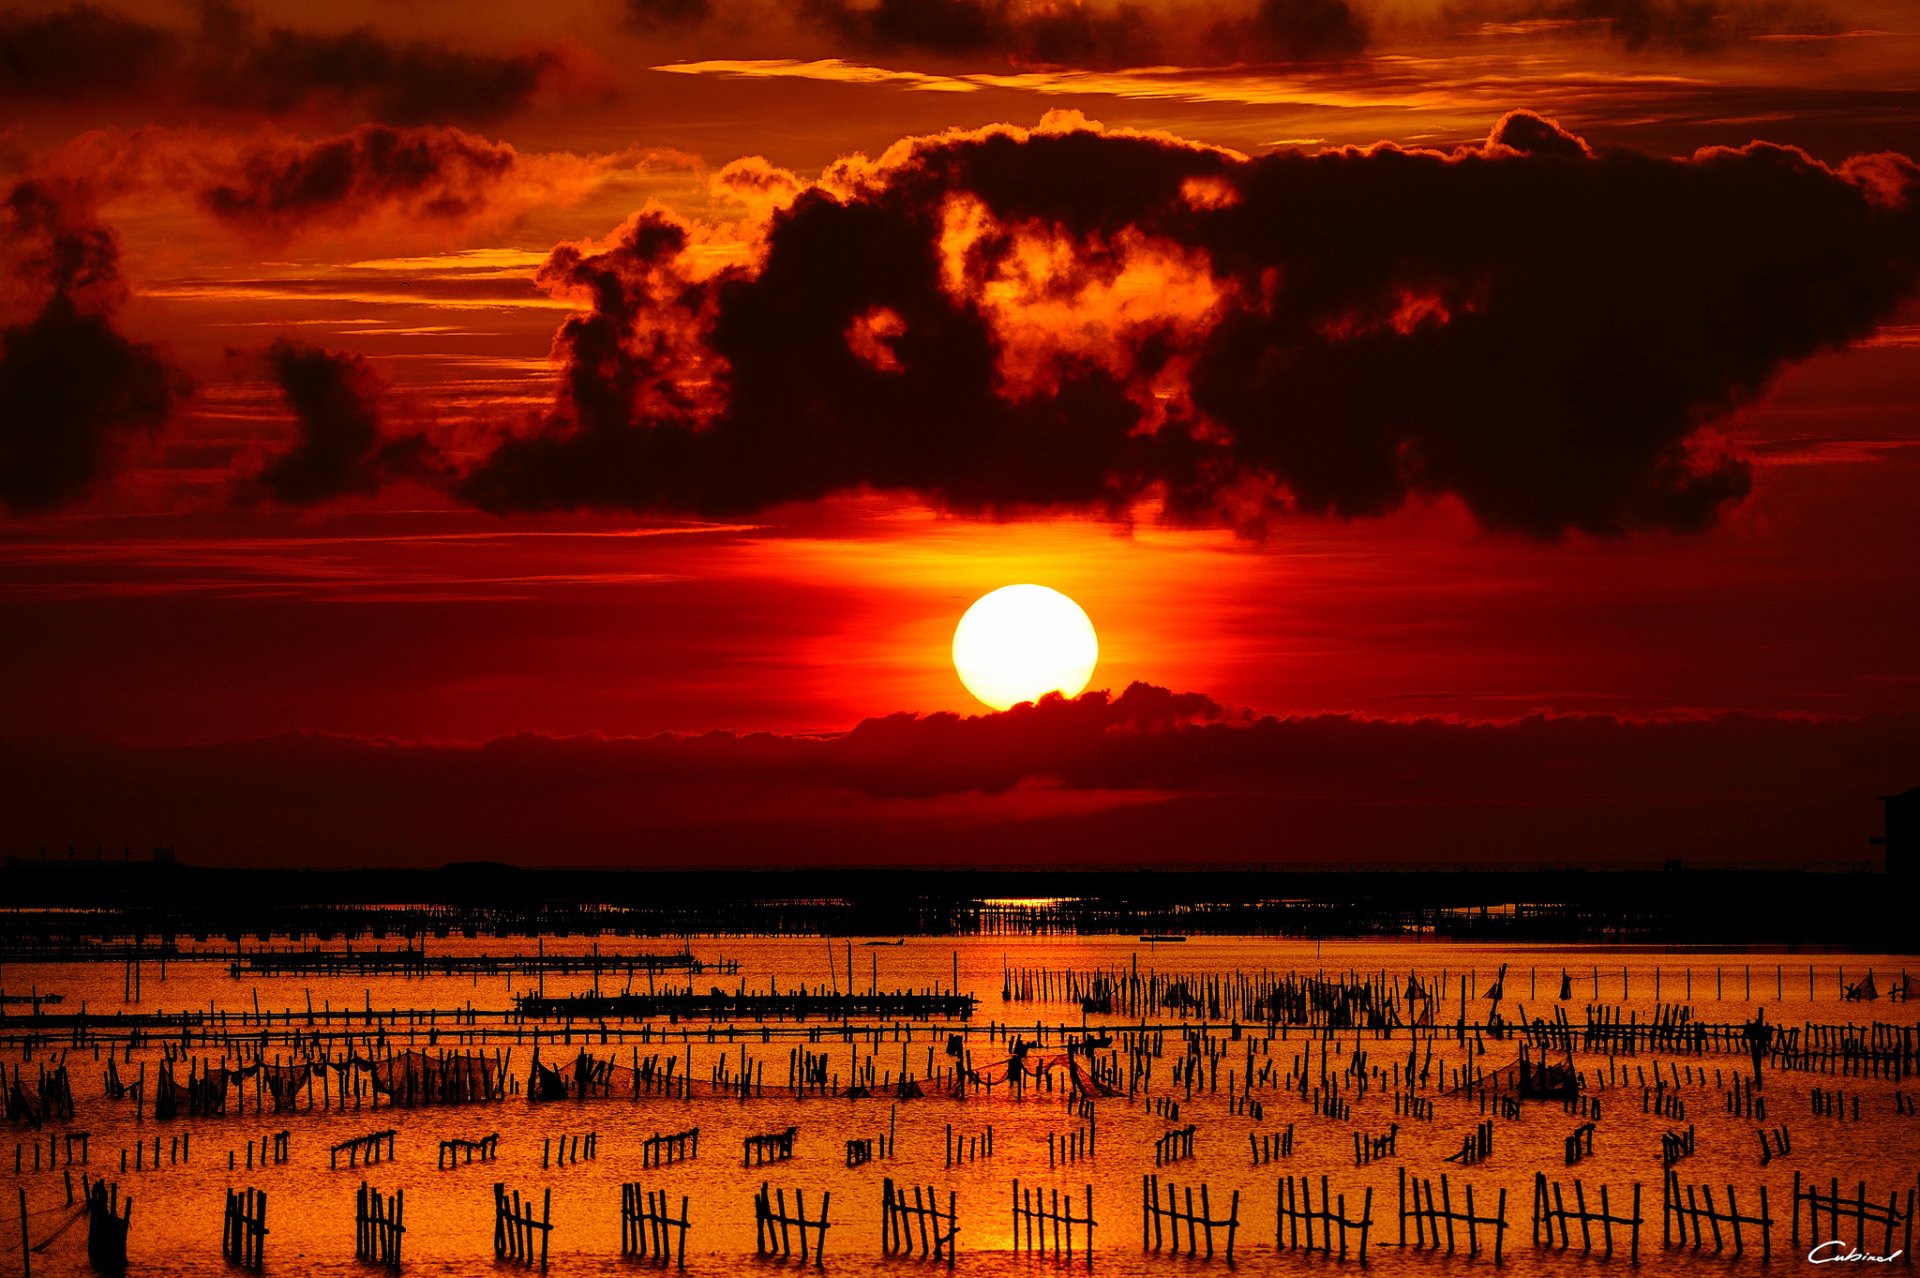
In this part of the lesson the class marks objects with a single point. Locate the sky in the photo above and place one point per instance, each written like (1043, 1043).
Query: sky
(1481, 433)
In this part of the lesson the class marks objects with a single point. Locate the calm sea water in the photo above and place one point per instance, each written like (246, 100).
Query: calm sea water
(176, 1216)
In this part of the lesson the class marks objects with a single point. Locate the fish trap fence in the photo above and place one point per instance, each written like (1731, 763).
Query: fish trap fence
(649, 1231)
(369, 1149)
(1689, 1212)
(456, 1152)
(378, 1226)
(775, 1226)
(1268, 1146)
(519, 1235)
(1854, 1214)
(1160, 1222)
(1438, 1222)
(1554, 1220)
(903, 1221)
(663, 1148)
(243, 1228)
(1044, 1219)
(1297, 1216)
(769, 1147)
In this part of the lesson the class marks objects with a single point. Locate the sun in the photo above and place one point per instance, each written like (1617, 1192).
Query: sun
(1021, 642)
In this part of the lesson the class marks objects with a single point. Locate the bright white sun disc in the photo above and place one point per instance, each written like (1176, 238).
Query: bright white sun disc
(1021, 642)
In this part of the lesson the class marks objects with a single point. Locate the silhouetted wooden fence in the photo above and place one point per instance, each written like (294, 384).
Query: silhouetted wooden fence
(1834, 1104)
(1894, 1223)
(746, 1005)
(1158, 1221)
(1745, 1101)
(1550, 1209)
(1432, 1218)
(1658, 1100)
(1367, 1148)
(269, 1149)
(516, 1228)
(370, 1148)
(54, 1146)
(243, 1229)
(416, 962)
(1174, 1146)
(1678, 1217)
(1293, 1225)
(1675, 1146)
(457, 1152)
(1268, 1146)
(862, 1150)
(901, 1221)
(378, 1226)
(1038, 1213)
(771, 1147)
(179, 1150)
(564, 1149)
(1580, 1143)
(1475, 1147)
(774, 1226)
(662, 1148)
(1776, 1144)
(970, 1146)
(648, 1230)
(1070, 1147)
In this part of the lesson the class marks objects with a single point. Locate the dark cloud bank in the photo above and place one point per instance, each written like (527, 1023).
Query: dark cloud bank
(340, 451)
(1534, 327)
(436, 174)
(232, 61)
(1223, 33)
(73, 388)
(1148, 777)
(1539, 329)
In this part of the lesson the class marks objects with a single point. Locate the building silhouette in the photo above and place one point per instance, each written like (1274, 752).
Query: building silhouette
(1902, 839)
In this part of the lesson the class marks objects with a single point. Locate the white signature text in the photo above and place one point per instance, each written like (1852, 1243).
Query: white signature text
(1836, 1250)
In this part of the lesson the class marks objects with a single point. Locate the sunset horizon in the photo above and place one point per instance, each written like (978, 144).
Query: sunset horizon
(370, 395)
(1136, 636)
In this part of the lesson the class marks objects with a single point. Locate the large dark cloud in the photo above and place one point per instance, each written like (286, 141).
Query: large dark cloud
(233, 61)
(73, 388)
(1222, 33)
(1290, 31)
(342, 449)
(1536, 328)
(1100, 780)
(433, 174)
(1112, 34)
(1101, 36)
(1066, 34)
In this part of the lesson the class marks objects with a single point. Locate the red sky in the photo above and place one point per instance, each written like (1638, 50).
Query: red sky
(377, 386)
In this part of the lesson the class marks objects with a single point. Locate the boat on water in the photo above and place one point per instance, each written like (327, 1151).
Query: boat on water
(1157, 937)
